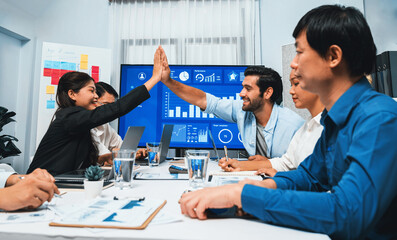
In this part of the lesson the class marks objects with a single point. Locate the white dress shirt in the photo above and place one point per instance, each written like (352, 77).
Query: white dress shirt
(301, 145)
(105, 138)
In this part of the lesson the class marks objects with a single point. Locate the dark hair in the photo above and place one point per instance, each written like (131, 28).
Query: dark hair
(70, 81)
(102, 87)
(74, 81)
(267, 78)
(343, 26)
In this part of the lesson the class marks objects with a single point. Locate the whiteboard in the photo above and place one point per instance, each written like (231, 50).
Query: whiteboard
(56, 60)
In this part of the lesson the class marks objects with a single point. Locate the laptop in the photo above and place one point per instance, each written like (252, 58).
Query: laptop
(76, 177)
(164, 145)
(132, 137)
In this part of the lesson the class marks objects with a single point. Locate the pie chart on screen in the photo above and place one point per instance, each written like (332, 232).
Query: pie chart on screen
(184, 76)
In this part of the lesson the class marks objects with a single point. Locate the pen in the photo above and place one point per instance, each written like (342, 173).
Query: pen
(59, 195)
(225, 148)
(138, 199)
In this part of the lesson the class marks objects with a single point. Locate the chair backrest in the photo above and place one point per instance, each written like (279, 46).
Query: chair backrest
(6, 168)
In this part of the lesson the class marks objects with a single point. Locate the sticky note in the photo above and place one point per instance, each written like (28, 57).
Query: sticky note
(47, 72)
(94, 69)
(56, 65)
(50, 89)
(47, 64)
(83, 65)
(54, 80)
(64, 65)
(84, 58)
(62, 72)
(95, 76)
(50, 104)
(72, 67)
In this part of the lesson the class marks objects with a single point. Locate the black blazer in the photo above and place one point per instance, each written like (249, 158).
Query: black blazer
(67, 143)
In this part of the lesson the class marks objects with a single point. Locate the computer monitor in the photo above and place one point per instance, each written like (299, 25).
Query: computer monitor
(164, 107)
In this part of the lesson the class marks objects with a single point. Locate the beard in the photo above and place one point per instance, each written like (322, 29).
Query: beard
(253, 105)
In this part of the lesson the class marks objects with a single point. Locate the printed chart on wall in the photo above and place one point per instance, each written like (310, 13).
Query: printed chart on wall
(58, 59)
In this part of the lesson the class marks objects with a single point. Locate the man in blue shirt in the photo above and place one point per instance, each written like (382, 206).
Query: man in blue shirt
(266, 128)
(347, 187)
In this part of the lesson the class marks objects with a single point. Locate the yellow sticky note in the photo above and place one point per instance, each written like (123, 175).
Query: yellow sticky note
(83, 65)
(50, 89)
(84, 58)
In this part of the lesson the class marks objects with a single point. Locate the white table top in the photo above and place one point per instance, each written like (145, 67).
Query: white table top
(171, 191)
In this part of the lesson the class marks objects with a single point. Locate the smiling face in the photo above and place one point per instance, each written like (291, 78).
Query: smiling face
(312, 70)
(251, 95)
(86, 97)
(302, 99)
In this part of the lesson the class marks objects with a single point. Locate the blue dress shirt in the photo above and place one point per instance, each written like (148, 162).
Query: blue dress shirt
(278, 132)
(347, 188)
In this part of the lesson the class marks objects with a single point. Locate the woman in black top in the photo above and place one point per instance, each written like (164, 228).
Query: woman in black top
(67, 144)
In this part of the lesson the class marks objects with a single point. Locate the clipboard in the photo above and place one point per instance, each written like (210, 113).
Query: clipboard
(115, 226)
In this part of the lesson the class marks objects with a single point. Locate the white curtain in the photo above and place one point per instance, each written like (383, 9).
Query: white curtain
(196, 32)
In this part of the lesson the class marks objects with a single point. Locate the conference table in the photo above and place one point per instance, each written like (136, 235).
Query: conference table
(177, 226)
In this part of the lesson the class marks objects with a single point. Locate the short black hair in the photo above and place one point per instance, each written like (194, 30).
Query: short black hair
(102, 87)
(267, 78)
(343, 26)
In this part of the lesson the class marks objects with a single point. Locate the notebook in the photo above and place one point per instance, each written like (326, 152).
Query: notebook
(108, 213)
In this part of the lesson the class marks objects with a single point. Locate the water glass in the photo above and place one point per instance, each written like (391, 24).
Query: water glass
(153, 150)
(123, 165)
(197, 161)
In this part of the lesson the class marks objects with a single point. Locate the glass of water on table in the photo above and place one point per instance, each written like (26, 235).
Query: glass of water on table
(153, 151)
(197, 161)
(123, 165)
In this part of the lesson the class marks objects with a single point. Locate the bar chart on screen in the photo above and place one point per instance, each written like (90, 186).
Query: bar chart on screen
(176, 108)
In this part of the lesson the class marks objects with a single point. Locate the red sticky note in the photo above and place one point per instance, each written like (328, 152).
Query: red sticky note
(94, 69)
(95, 77)
(62, 72)
(47, 72)
(54, 80)
(55, 73)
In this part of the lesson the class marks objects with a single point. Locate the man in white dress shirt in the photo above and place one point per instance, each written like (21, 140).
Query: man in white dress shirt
(301, 145)
(105, 137)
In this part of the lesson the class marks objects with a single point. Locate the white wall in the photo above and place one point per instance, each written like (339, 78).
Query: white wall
(76, 22)
(382, 19)
(17, 27)
(278, 20)
(79, 22)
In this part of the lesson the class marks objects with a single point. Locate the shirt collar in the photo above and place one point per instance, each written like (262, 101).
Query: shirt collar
(344, 105)
(315, 121)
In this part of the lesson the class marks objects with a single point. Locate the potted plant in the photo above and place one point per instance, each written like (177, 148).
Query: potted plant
(7, 147)
(94, 183)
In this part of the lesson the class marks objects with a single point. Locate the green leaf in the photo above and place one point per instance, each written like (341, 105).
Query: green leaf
(94, 173)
